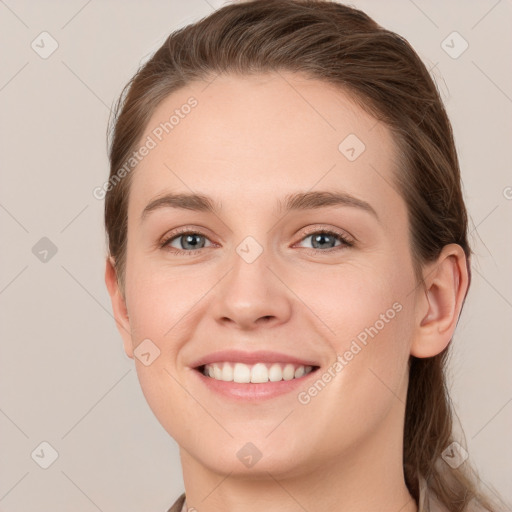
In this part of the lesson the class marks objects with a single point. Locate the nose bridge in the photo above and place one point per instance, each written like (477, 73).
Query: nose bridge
(251, 292)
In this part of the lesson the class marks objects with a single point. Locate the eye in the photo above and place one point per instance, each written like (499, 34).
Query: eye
(188, 242)
(326, 239)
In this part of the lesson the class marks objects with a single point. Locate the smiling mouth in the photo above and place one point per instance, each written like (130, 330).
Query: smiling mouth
(259, 373)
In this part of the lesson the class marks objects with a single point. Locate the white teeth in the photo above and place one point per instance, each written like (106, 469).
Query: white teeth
(289, 372)
(241, 373)
(299, 372)
(257, 373)
(227, 372)
(275, 373)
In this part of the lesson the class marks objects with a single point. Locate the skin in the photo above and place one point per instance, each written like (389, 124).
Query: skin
(249, 142)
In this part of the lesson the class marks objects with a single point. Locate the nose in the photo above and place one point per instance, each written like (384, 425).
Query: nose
(252, 295)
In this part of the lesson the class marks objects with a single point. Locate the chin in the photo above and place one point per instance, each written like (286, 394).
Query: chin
(250, 459)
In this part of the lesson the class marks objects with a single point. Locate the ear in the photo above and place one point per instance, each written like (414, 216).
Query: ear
(439, 301)
(118, 306)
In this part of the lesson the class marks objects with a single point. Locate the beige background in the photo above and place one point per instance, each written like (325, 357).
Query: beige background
(64, 377)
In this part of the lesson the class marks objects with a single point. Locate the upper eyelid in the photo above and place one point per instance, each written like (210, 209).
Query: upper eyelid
(336, 231)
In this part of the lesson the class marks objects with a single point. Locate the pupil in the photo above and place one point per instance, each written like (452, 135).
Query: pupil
(321, 237)
(189, 239)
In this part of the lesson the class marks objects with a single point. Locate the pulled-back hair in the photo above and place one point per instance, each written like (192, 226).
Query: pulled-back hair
(380, 71)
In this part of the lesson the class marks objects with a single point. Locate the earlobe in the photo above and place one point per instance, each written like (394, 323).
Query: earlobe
(118, 306)
(439, 303)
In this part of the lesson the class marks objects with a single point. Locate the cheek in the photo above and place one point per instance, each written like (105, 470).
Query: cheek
(160, 298)
(368, 375)
(367, 317)
(352, 297)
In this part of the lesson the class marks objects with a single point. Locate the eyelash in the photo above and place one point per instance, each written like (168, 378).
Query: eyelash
(179, 252)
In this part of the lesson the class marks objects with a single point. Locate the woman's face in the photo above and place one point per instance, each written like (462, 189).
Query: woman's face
(258, 274)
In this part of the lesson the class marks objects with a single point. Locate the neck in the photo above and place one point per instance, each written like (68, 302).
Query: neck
(367, 477)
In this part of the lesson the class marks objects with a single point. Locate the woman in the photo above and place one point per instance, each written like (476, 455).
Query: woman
(288, 260)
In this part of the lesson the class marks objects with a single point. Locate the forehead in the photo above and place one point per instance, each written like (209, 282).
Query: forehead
(245, 139)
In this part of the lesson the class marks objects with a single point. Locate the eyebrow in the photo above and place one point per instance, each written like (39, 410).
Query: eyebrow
(292, 202)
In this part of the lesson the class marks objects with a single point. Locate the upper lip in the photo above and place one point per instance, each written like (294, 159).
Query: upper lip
(260, 356)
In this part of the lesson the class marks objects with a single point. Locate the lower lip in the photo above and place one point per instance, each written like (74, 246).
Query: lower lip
(254, 391)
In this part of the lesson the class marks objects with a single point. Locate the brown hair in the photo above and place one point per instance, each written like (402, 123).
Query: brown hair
(339, 45)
